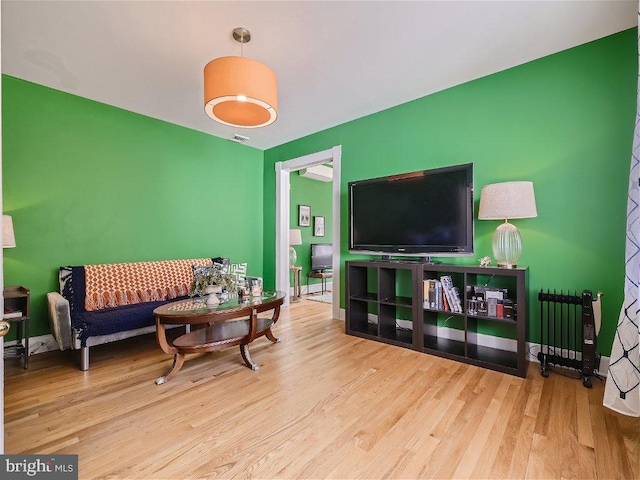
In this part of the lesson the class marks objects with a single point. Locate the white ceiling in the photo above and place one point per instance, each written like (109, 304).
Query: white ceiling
(335, 61)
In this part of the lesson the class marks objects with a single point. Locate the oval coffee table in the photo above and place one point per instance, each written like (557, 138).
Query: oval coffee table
(225, 327)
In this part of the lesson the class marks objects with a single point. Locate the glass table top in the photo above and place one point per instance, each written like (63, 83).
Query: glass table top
(197, 305)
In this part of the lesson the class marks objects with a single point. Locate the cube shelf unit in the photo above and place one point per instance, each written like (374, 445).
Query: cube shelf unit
(374, 304)
(374, 301)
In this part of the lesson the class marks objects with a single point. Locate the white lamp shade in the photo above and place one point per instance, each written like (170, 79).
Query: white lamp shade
(295, 237)
(8, 237)
(500, 201)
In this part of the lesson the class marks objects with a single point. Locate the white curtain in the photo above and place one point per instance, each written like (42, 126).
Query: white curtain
(622, 390)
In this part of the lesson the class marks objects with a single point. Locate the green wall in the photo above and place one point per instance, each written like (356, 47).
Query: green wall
(317, 195)
(564, 122)
(90, 183)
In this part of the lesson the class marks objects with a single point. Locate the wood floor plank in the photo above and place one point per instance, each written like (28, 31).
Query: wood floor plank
(492, 452)
(585, 432)
(536, 465)
(474, 455)
(322, 405)
(448, 454)
(513, 434)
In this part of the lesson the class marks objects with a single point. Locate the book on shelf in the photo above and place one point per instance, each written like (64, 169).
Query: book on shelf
(8, 313)
(452, 293)
(456, 296)
(445, 302)
(429, 294)
(432, 291)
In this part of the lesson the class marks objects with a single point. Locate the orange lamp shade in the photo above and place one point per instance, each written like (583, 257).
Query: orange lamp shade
(240, 92)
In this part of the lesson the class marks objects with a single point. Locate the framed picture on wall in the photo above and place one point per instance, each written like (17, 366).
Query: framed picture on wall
(304, 215)
(318, 226)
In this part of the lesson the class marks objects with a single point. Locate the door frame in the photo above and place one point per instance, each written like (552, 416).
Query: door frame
(283, 169)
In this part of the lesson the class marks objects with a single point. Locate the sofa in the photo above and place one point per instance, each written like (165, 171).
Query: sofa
(108, 302)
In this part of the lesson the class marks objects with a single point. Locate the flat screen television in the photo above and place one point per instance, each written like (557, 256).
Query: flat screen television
(425, 213)
(321, 256)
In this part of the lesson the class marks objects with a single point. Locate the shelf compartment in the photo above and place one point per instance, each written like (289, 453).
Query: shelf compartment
(457, 281)
(388, 320)
(493, 356)
(433, 327)
(362, 282)
(433, 343)
(365, 297)
(396, 284)
(399, 336)
(507, 281)
(368, 329)
(491, 328)
(359, 318)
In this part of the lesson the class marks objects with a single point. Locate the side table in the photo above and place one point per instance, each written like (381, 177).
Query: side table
(17, 309)
(297, 283)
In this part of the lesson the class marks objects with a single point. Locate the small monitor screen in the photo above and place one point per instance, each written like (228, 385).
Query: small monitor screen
(321, 256)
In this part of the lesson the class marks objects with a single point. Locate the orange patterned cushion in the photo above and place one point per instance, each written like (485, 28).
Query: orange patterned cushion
(111, 285)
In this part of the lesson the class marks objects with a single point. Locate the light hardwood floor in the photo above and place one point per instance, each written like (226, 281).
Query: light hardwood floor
(322, 405)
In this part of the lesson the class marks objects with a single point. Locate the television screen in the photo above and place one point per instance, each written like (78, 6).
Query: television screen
(429, 212)
(321, 256)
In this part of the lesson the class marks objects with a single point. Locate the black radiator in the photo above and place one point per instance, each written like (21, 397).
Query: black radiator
(568, 333)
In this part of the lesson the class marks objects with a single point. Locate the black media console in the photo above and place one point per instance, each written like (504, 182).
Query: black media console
(385, 302)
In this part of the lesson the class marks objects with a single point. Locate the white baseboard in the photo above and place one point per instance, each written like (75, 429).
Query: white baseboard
(604, 366)
(40, 344)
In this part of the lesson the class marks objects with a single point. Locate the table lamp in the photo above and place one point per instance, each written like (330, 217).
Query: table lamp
(502, 201)
(295, 238)
(8, 237)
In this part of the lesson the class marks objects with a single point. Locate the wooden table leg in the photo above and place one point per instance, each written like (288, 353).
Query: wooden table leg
(246, 356)
(274, 319)
(271, 337)
(178, 360)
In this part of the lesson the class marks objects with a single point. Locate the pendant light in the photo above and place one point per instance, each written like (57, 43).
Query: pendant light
(239, 91)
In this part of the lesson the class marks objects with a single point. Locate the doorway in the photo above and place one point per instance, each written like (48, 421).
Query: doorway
(283, 170)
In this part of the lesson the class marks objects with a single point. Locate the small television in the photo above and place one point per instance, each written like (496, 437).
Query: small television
(321, 257)
(425, 213)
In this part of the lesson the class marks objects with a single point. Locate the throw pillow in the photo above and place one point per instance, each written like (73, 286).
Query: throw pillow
(239, 270)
